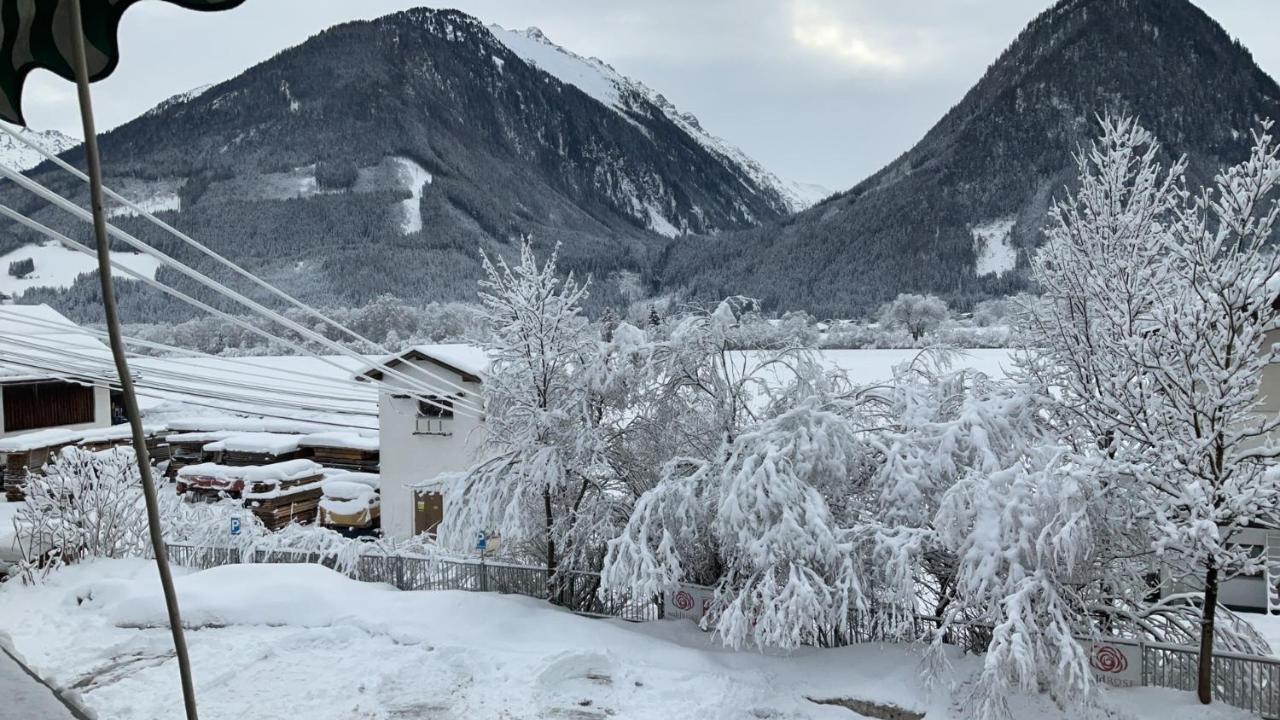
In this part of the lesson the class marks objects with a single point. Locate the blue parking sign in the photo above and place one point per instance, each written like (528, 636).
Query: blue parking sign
(482, 541)
(235, 525)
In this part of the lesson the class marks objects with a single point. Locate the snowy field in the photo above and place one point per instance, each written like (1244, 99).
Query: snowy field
(282, 641)
(57, 266)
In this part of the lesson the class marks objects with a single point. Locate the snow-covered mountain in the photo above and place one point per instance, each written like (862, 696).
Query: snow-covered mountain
(379, 156)
(20, 157)
(627, 96)
(959, 214)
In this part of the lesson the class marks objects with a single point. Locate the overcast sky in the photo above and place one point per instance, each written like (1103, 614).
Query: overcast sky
(823, 91)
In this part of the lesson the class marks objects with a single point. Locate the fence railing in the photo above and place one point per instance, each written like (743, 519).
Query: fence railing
(577, 591)
(1245, 681)
(1249, 682)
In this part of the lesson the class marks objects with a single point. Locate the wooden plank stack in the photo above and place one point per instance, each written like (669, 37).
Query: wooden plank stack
(27, 454)
(277, 493)
(187, 449)
(344, 451)
(245, 449)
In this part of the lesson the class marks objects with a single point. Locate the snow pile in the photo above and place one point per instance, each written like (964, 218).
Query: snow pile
(58, 266)
(302, 641)
(995, 254)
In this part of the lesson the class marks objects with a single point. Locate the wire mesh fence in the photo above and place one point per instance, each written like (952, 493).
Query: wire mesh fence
(1248, 682)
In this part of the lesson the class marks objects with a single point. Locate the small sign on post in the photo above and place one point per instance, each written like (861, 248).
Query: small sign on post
(235, 525)
(482, 541)
(1115, 663)
(688, 601)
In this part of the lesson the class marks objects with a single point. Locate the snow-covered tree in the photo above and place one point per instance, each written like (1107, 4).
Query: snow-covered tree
(918, 314)
(1152, 334)
(544, 486)
(787, 572)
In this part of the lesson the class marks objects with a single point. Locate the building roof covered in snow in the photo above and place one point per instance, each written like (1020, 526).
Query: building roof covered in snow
(39, 343)
(468, 361)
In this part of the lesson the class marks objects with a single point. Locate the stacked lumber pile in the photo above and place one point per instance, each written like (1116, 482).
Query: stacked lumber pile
(354, 451)
(284, 492)
(350, 502)
(258, 448)
(278, 493)
(27, 454)
(122, 436)
(187, 448)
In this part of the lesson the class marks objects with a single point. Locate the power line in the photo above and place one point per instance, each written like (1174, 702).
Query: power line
(79, 212)
(430, 399)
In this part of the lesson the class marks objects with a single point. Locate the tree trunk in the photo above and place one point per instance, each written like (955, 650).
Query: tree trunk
(1204, 685)
(551, 543)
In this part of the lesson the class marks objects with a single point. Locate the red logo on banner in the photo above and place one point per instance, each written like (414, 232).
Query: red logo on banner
(684, 601)
(1108, 659)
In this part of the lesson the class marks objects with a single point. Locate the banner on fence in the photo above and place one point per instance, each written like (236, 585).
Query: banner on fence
(688, 601)
(1115, 663)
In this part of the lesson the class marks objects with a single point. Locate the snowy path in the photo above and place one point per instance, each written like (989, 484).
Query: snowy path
(26, 697)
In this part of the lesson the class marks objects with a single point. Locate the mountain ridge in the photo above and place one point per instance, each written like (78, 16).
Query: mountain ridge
(381, 155)
(927, 221)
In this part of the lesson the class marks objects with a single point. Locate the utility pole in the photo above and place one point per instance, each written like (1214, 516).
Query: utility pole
(81, 65)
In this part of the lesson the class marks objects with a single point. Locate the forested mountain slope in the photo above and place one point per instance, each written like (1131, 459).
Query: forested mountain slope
(957, 213)
(380, 156)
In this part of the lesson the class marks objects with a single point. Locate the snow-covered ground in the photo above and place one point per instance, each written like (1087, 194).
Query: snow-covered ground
(299, 641)
(57, 266)
(995, 254)
(414, 178)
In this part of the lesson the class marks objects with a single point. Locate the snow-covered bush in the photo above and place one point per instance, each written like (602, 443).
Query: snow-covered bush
(85, 504)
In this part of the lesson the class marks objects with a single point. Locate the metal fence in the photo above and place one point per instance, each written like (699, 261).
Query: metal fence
(1249, 682)
(1245, 681)
(577, 591)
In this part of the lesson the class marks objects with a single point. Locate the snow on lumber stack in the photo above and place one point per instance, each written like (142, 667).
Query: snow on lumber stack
(38, 440)
(358, 451)
(257, 447)
(278, 493)
(214, 423)
(27, 453)
(350, 500)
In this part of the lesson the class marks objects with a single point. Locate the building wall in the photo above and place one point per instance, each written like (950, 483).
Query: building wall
(410, 458)
(101, 413)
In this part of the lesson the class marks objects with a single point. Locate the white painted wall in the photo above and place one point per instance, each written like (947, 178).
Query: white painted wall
(407, 457)
(101, 413)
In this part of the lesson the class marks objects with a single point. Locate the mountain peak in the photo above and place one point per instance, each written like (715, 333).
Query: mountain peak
(22, 158)
(976, 188)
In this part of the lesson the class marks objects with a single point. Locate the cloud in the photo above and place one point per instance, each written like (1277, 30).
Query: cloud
(844, 32)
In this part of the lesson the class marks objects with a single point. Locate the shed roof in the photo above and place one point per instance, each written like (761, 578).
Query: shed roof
(468, 361)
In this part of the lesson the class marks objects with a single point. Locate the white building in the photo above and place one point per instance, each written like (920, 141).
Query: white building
(419, 440)
(53, 374)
